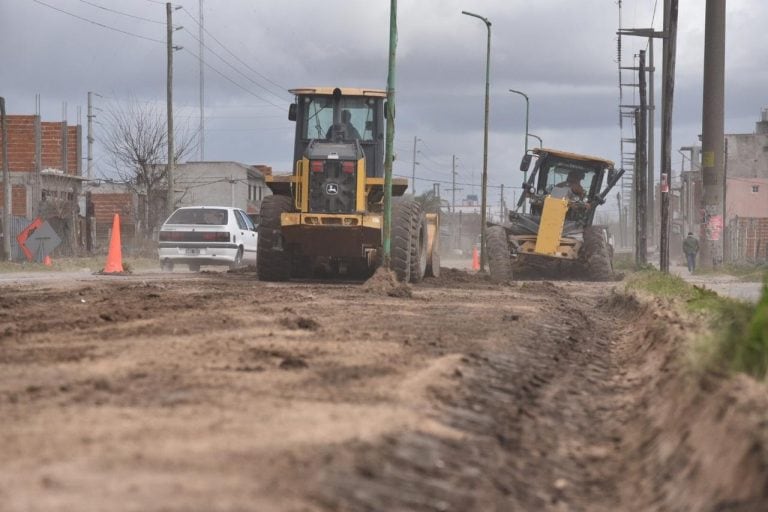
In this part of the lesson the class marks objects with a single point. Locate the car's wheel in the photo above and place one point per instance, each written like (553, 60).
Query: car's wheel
(166, 265)
(238, 258)
(194, 267)
(400, 240)
(419, 246)
(595, 254)
(273, 259)
(499, 261)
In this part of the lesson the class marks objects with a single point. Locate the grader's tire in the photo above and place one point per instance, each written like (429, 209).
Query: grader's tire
(419, 246)
(596, 255)
(273, 260)
(499, 260)
(400, 240)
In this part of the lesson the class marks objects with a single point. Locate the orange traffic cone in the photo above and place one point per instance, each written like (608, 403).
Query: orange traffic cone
(475, 259)
(47, 261)
(115, 255)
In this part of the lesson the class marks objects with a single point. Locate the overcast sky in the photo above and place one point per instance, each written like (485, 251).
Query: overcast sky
(562, 53)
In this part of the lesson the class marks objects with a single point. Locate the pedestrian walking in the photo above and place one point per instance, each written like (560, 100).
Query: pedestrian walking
(691, 248)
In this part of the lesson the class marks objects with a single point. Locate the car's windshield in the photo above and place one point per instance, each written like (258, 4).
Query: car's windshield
(204, 216)
(319, 118)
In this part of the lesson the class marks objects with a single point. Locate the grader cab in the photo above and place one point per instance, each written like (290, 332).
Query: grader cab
(327, 216)
(557, 234)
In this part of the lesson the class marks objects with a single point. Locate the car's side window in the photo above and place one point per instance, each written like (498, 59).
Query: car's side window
(247, 220)
(240, 222)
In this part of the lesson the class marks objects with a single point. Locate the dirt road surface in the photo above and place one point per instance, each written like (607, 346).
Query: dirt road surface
(217, 392)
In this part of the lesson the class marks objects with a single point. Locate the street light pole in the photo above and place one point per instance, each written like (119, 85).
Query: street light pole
(527, 113)
(484, 189)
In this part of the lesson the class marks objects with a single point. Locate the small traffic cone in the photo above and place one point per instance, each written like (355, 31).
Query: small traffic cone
(115, 255)
(47, 261)
(475, 259)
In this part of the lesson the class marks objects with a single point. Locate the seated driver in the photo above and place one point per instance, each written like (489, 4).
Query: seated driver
(573, 183)
(347, 127)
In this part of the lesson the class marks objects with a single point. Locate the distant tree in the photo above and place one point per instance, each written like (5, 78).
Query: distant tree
(136, 141)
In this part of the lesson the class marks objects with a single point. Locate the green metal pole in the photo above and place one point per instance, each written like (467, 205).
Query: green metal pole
(390, 107)
(527, 110)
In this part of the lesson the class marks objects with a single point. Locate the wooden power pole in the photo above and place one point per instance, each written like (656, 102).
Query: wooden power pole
(668, 90)
(170, 199)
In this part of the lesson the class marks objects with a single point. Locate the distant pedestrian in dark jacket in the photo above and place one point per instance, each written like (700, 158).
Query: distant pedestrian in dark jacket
(691, 248)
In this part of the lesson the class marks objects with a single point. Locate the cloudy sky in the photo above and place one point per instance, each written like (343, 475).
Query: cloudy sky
(562, 53)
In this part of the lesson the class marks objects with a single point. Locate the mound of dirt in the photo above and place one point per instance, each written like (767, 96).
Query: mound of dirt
(707, 434)
(384, 282)
(456, 278)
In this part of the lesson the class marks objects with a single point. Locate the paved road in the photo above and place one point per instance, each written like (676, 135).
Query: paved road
(726, 285)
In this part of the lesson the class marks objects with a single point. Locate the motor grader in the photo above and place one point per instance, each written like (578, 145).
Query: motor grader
(556, 237)
(327, 216)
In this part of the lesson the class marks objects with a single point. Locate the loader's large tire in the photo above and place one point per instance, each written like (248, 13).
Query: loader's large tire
(400, 241)
(273, 259)
(419, 246)
(596, 255)
(499, 258)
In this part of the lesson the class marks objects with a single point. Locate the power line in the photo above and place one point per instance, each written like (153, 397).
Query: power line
(222, 59)
(97, 23)
(122, 13)
(233, 82)
(282, 88)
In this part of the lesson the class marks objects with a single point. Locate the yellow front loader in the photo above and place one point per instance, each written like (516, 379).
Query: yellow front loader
(327, 216)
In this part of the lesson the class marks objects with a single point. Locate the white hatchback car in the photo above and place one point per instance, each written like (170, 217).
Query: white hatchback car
(207, 235)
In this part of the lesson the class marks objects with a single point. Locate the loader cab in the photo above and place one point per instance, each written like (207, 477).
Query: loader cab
(576, 177)
(344, 116)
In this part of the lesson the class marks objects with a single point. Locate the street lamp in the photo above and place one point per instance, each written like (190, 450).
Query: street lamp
(484, 191)
(525, 138)
(541, 144)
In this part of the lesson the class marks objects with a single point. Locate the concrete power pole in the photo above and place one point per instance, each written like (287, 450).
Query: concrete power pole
(670, 43)
(641, 169)
(170, 199)
(201, 35)
(7, 198)
(413, 177)
(712, 135)
(651, 118)
(89, 172)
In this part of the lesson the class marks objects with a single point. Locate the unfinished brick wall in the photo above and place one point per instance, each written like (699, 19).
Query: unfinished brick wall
(18, 199)
(21, 143)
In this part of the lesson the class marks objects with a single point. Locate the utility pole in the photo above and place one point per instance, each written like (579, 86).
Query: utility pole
(170, 199)
(641, 240)
(621, 221)
(89, 172)
(713, 129)
(413, 177)
(453, 184)
(201, 34)
(389, 107)
(7, 199)
(651, 118)
(501, 203)
(670, 42)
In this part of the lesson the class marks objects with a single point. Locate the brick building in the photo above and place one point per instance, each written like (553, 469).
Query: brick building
(44, 160)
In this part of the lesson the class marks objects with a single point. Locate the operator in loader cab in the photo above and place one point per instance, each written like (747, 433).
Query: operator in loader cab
(347, 127)
(573, 184)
